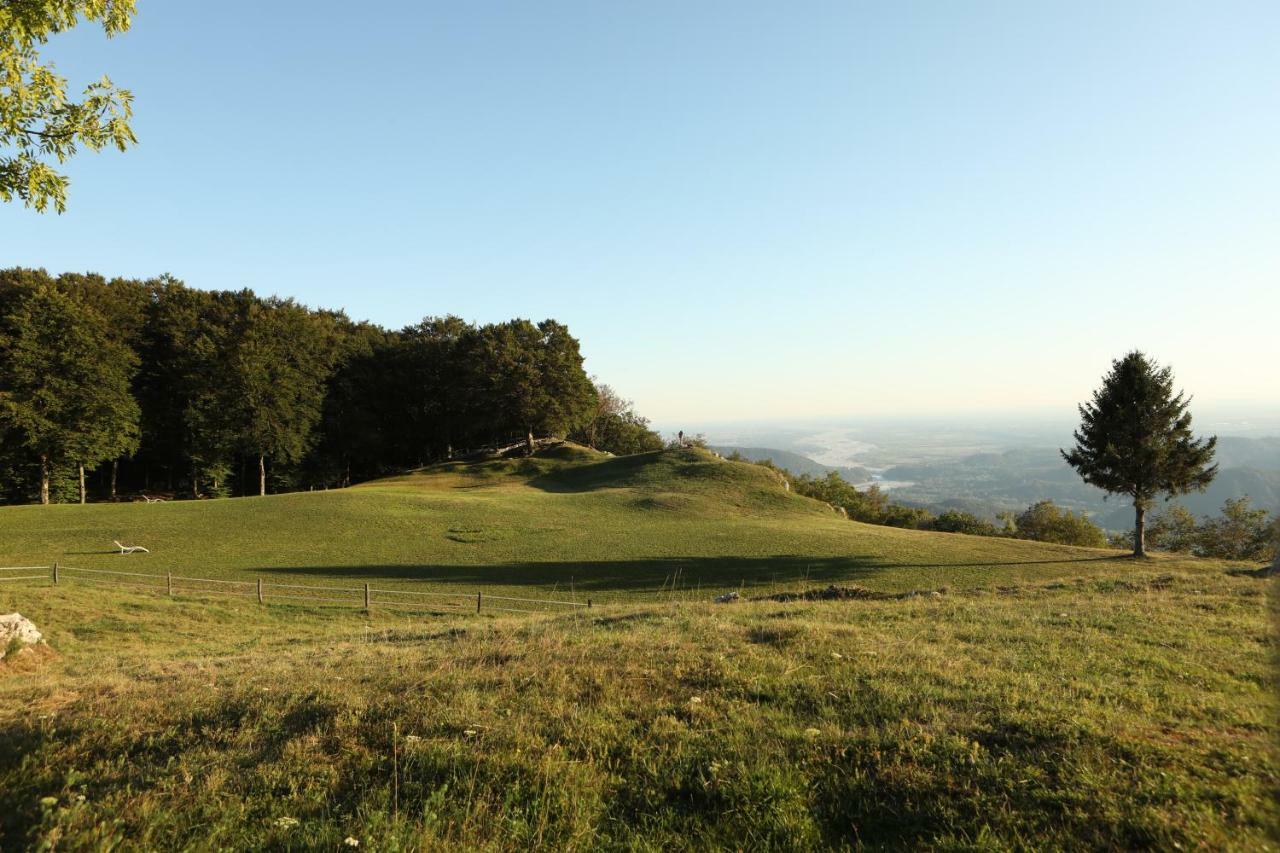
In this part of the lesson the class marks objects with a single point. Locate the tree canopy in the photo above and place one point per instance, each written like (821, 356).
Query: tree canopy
(612, 424)
(40, 123)
(64, 384)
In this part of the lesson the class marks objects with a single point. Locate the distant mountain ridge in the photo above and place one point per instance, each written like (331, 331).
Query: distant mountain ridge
(987, 483)
(1257, 453)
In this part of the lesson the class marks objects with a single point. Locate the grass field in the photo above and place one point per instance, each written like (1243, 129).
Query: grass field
(610, 527)
(1050, 698)
(1098, 713)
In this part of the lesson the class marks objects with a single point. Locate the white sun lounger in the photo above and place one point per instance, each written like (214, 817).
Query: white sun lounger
(130, 549)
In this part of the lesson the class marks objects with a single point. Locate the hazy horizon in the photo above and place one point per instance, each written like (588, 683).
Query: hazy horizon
(1235, 420)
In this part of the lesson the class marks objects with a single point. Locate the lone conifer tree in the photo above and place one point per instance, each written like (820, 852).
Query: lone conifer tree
(1135, 439)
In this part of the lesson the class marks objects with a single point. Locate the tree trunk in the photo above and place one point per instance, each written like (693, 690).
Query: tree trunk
(115, 465)
(195, 483)
(262, 475)
(44, 480)
(529, 439)
(82, 495)
(1139, 531)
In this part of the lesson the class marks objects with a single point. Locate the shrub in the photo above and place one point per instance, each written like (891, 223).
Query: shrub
(914, 517)
(956, 521)
(1239, 533)
(625, 434)
(1174, 529)
(1047, 522)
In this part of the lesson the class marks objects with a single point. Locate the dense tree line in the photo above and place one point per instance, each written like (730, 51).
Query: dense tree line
(113, 387)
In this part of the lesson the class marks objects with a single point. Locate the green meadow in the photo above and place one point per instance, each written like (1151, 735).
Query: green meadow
(1047, 698)
(611, 527)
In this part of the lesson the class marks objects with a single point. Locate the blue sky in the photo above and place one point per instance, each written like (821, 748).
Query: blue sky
(743, 210)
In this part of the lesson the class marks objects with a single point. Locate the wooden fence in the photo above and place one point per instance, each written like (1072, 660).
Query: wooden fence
(364, 597)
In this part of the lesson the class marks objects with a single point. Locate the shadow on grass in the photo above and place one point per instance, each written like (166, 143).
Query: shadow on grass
(19, 811)
(1261, 572)
(655, 573)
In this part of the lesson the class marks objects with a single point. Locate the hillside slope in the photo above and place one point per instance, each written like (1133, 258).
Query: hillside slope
(568, 516)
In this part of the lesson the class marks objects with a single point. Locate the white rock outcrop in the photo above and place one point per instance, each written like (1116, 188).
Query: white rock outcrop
(15, 626)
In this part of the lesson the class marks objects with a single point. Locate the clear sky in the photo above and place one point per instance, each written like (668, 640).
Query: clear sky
(742, 209)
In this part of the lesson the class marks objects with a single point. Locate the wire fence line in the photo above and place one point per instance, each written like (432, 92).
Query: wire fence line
(365, 597)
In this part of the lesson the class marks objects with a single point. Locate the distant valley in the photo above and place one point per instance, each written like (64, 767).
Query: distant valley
(990, 481)
(796, 463)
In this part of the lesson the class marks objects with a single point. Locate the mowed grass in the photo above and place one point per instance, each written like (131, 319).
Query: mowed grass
(611, 528)
(1124, 707)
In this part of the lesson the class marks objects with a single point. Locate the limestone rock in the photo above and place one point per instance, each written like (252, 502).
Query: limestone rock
(15, 626)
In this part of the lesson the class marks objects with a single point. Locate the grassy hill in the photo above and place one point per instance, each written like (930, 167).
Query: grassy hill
(607, 526)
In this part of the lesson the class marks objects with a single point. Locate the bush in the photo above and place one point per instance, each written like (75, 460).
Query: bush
(956, 521)
(624, 434)
(1239, 533)
(1174, 529)
(1047, 522)
(913, 517)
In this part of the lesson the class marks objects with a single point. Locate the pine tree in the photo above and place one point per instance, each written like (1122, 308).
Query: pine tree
(1135, 439)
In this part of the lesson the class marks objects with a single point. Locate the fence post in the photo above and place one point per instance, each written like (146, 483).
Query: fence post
(259, 590)
(366, 598)
(588, 604)
(55, 572)
(168, 583)
(477, 602)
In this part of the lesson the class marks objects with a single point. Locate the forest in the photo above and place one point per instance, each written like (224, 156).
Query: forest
(122, 387)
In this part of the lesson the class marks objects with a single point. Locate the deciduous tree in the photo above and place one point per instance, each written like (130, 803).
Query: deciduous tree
(279, 361)
(1174, 529)
(39, 121)
(1045, 521)
(1240, 532)
(64, 385)
(534, 377)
